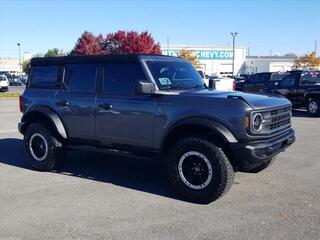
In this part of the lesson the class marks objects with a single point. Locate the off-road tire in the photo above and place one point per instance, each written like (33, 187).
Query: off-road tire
(314, 101)
(56, 150)
(222, 170)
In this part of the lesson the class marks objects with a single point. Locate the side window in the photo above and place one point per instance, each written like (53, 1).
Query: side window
(265, 78)
(121, 78)
(288, 81)
(44, 76)
(81, 78)
(310, 79)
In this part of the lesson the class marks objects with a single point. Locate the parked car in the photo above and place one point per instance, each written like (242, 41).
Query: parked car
(4, 83)
(151, 105)
(15, 82)
(260, 82)
(302, 88)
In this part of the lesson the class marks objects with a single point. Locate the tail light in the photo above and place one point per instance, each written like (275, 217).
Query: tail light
(233, 86)
(20, 103)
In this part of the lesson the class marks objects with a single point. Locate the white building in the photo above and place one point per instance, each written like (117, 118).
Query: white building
(256, 64)
(214, 60)
(12, 65)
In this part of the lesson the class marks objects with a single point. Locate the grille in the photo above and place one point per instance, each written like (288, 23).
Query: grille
(277, 120)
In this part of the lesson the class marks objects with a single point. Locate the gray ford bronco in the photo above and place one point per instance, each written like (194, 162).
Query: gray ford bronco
(151, 105)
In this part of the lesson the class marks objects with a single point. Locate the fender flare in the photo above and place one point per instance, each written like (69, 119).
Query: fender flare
(51, 115)
(215, 126)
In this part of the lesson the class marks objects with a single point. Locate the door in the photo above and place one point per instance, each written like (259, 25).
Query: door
(307, 81)
(76, 100)
(288, 88)
(254, 83)
(123, 117)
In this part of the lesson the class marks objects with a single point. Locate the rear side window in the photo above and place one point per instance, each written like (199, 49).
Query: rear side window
(81, 78)
(312, 78)
(44, 76)
(121, 78)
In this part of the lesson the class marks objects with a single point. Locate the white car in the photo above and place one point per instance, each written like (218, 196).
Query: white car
(4, 83)
(222, 83)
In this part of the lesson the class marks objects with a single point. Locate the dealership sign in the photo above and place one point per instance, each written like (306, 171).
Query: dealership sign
(204, 54)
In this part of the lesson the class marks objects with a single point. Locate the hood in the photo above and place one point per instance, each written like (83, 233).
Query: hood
(255, 101)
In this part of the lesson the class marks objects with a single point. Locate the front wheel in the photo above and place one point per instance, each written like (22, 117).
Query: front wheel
(44, 151)
(199, 170)
(313, 107)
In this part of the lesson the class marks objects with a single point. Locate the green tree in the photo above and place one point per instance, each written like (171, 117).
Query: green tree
(189, 56)
(54, 52)
(26, 65)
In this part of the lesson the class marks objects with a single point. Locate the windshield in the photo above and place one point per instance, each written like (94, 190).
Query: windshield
(171, 75)
(3, 78)
(278, 76)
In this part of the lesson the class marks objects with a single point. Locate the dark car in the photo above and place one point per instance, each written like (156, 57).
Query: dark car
(259, 82)
(151, 105)
(302, 88)
(15, 82)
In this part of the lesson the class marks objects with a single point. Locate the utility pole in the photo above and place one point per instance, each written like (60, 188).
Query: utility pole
(270, 52)
(315, 47)
(19, 57)
(167, 45)
(233, 34)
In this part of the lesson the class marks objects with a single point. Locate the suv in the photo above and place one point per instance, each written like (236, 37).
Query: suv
(4, 83)
(302, 88)
(260, 82)
(151, 105)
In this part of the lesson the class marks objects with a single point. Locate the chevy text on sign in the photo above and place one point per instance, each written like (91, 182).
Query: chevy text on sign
(204, 54)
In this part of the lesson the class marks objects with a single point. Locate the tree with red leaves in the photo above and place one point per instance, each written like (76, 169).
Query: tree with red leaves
(88, 44)
(131, 42)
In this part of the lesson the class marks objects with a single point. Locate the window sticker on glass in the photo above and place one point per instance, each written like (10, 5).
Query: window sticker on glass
(164, 81)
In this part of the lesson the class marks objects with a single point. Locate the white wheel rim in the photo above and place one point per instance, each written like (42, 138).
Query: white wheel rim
(182, 175)
(45, 145)
(313, 107)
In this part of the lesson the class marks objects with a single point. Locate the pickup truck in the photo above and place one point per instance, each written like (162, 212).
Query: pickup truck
(302, 88)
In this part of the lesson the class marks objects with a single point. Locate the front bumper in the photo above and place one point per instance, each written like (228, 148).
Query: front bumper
(249, 155)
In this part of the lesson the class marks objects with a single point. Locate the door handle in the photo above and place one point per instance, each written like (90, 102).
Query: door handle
(105, 106)
(63, 103)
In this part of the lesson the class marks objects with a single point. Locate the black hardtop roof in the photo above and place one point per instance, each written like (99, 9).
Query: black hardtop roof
(94, 58)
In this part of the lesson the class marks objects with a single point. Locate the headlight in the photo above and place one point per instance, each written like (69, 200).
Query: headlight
(257, 121)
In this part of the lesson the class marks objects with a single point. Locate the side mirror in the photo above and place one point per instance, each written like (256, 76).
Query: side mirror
(145, 88)
(212, 84)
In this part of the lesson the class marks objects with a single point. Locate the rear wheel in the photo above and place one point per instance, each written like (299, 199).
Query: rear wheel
(313, 107)
(44, 151)
(199, 170)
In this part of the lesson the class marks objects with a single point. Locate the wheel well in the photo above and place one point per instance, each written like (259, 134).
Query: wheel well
(38, 117)
(195, 130)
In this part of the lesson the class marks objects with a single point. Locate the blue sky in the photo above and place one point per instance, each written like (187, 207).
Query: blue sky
(282, 26)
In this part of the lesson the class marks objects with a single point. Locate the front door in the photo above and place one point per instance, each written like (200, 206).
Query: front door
(123, 117)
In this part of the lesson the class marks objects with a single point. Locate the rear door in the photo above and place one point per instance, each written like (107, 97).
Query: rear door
(122, 116)
(255, 83)
(75, 101)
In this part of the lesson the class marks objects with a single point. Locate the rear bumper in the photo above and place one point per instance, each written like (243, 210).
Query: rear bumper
(251, 154)
(4, 88)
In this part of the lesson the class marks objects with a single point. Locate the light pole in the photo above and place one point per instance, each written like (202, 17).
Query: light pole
(233, 34)
(19, 56)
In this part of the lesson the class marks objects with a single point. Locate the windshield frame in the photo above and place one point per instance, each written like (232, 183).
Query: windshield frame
(165, 59)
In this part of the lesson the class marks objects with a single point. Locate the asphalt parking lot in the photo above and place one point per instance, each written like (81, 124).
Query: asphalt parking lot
(95, 196)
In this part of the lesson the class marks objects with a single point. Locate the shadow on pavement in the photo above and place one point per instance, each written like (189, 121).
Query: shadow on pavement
(301, 113)
(147, 175)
